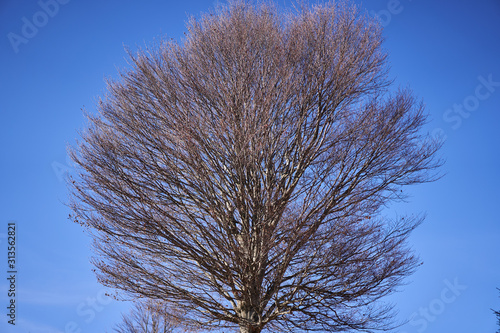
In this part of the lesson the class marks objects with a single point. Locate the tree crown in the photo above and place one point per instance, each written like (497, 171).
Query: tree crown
(240, 174)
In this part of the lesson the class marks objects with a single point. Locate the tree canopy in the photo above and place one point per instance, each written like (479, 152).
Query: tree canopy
(240, 174)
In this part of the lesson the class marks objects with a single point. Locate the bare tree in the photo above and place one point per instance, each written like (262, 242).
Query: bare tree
(240, 174)
(149, 316)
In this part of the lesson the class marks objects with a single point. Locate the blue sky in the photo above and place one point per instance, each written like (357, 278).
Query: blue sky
(447, 51)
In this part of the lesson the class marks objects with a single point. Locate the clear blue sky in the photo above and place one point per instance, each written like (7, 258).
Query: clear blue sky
(447, 51)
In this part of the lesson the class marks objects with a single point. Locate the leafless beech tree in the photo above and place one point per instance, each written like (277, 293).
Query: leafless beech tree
(240, 174)
(149, 316)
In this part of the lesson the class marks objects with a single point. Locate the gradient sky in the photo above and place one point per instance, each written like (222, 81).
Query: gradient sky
(447, 51)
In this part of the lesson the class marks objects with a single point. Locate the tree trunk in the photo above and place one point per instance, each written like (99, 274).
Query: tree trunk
(246, 329)
(250, 318)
